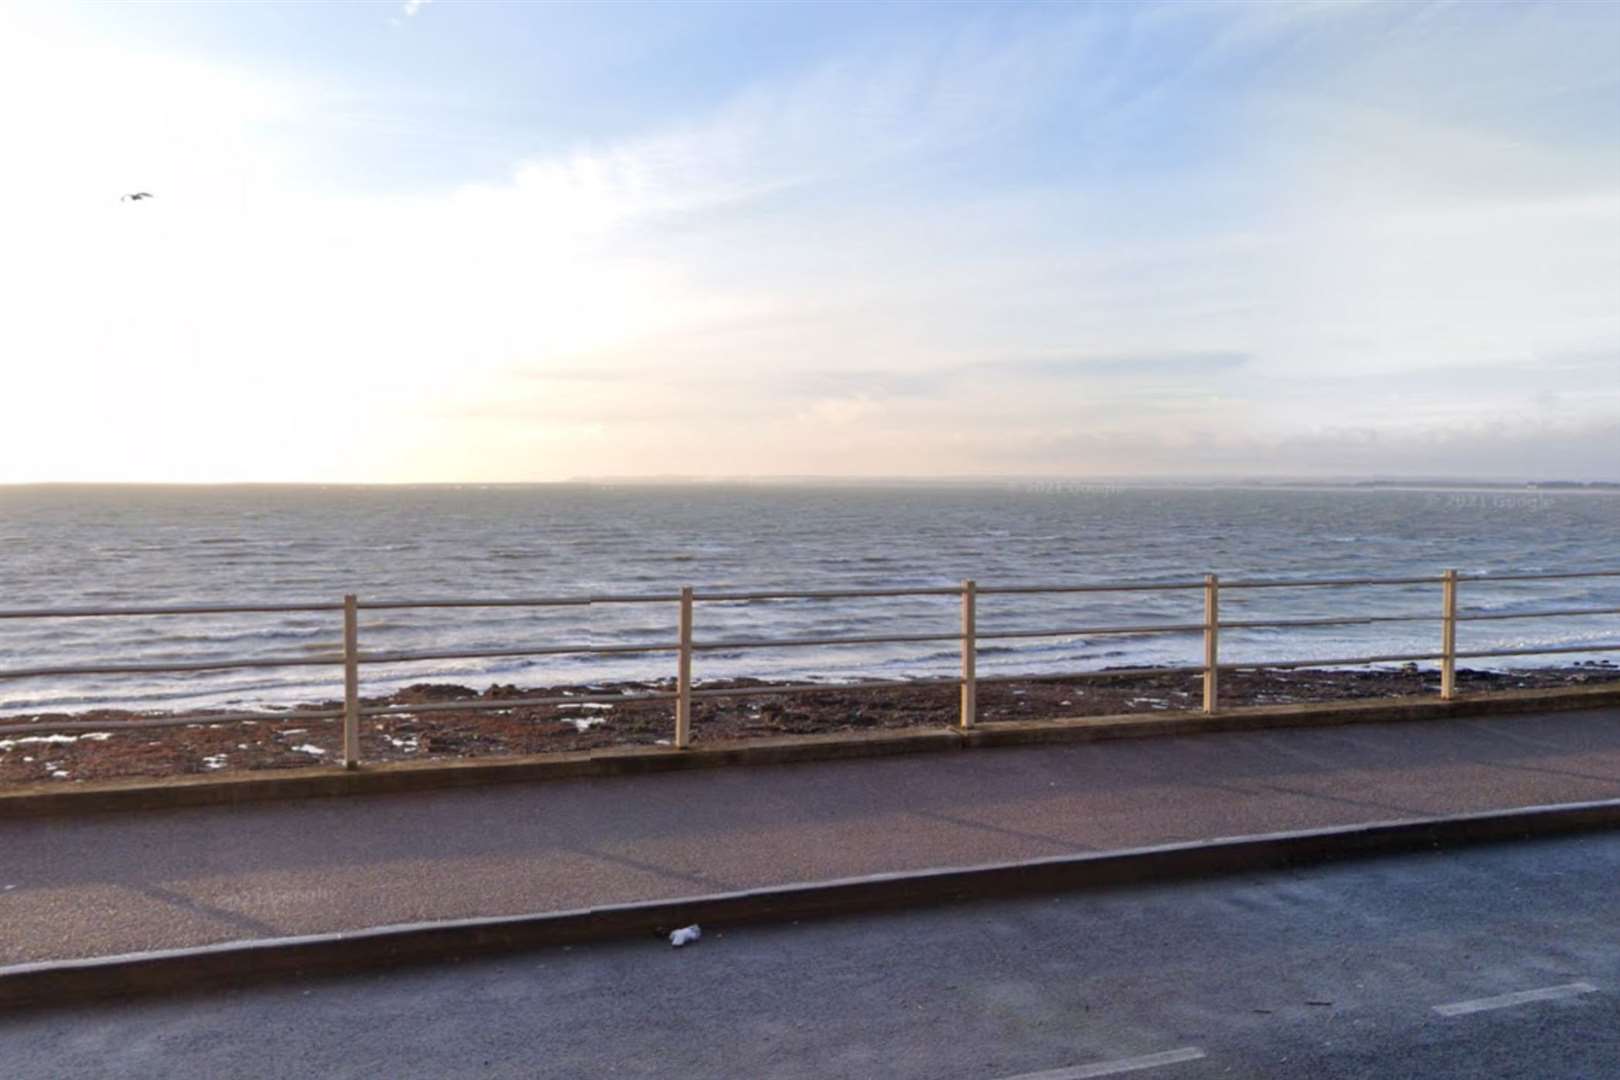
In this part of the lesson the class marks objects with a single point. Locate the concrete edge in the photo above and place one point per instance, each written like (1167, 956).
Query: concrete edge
(45, 799)
(239, 963)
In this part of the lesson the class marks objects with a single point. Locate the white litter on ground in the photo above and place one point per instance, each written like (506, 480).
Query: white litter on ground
(685, 935)
(25, 740)
(214, 761)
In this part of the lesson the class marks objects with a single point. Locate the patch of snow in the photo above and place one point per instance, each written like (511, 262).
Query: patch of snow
(584, 705)
(310, 748)
(583, 723)
(214, 761)
(409, 743)
(59, 774)
(293, 731)
(96, 736)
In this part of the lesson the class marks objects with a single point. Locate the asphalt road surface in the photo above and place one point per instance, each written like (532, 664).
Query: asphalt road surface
(106, 884)
(1499, 961)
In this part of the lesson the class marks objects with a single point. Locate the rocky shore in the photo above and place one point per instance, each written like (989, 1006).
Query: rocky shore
(285, 739)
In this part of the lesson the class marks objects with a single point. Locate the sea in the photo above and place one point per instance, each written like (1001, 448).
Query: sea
(111, 546)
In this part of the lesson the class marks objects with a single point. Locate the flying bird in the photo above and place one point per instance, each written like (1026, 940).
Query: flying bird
(136, 196)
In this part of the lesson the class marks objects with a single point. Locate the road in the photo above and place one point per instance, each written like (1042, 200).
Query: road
(1500, 961)
(109, 884)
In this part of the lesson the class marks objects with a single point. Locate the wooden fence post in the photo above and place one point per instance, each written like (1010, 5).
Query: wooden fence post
(1448, 636)
(970, 650)
(351, 682)
(683, 674)
(1212, 642)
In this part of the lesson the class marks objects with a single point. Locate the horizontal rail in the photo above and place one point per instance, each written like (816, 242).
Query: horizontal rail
(827, 594)
(745, 595)
(521, 601)
(813, 688)
(93, 726)
(500, 704)
(166, 609)
(1105, 673)
(1539, 577)
(1349, 620)
(1337, 661)
(539, 650)
(327, 660)
(791, 643)
(1307, 583)
(1538, 651)
(1088, 587)
(1099, 631)
(1480, 617)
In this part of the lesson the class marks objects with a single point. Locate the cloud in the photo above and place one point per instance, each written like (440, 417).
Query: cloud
(988, 246)
(411, 7)
(1167, 364)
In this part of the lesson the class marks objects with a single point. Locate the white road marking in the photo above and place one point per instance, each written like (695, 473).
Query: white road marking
(1113, 1068)
(1503, 1001)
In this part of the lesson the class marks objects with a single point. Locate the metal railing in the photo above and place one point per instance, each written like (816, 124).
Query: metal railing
(352, 658)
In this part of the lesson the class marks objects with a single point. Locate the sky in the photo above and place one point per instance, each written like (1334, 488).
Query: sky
(445, 241)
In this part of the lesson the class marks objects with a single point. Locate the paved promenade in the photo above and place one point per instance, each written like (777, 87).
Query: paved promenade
(108, 884)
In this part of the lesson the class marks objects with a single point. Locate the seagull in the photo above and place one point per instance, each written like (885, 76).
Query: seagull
(136, 196)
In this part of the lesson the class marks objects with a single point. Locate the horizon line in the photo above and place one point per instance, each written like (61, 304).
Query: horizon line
(856, 480)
